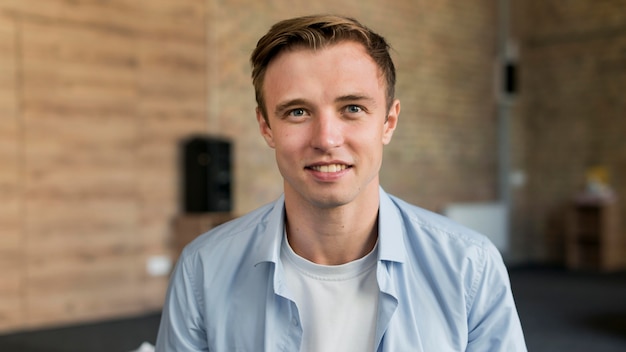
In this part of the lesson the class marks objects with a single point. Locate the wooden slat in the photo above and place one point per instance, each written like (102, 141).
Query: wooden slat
(10, 266)
(175, 20)
(60, 272)
(79, 228)
(9, 133)
(11, 308)
(80, 223)
(11, 312)
(72, 306)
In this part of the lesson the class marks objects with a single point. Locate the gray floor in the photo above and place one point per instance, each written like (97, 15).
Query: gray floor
(571, 311)
(110, 336)
(560, 311)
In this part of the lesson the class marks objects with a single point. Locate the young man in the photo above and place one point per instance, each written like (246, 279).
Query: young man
(335, 264)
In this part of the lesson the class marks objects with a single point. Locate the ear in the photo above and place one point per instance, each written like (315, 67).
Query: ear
(264, 128)
(391, 122)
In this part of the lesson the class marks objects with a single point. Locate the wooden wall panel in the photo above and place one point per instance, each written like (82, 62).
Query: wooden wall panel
(94, 99)
(10, 190)
(81, 204)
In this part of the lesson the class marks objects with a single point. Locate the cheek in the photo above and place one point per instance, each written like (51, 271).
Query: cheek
(287, 143)
(375, 137)
(293, 136)
(374, 145)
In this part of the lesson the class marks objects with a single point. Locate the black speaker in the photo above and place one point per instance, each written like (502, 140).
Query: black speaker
(206, 179)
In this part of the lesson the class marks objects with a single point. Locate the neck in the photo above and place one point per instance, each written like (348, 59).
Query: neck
(332, 236)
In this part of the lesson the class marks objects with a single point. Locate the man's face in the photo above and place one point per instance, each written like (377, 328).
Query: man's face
(328, 122)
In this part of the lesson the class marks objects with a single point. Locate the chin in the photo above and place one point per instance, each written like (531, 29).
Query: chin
(330, 201)
(328, 196)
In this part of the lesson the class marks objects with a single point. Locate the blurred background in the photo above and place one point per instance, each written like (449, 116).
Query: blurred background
(513, 121)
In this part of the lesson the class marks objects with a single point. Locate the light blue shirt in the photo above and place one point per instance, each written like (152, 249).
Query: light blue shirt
(442, 288)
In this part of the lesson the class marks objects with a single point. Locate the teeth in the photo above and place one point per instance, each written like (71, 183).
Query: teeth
(329, 168)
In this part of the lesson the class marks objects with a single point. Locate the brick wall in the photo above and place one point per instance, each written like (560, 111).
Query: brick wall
(572, 107)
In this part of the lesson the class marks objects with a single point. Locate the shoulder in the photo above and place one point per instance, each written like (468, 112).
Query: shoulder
(438, 245)
(437, 228)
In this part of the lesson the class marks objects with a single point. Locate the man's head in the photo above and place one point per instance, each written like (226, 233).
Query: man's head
(325, 91)
(317, 32)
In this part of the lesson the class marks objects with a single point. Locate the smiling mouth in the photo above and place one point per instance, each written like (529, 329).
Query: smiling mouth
(329, 168)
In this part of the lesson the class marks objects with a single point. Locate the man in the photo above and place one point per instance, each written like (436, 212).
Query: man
(335, 264)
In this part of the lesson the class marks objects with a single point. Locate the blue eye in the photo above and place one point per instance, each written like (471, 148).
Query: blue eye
(353, 109)
(297, 112)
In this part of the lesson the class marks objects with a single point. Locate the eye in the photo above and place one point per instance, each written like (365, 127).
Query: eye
(353, 109)
(297, 112)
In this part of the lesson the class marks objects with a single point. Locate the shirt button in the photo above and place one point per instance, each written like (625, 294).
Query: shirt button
(294, 321)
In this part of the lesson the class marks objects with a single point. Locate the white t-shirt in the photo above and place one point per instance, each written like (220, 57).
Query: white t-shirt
(337, 303)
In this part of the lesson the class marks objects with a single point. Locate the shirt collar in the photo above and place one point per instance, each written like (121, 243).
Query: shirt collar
(390, 230)
(270, 235)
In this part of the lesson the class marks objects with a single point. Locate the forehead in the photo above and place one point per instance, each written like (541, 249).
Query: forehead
(344, 65)
(346, 49)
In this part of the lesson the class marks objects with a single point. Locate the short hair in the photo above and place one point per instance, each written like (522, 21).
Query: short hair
(316, 32)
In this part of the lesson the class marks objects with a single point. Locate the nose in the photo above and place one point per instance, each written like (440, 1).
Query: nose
(327, 132)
